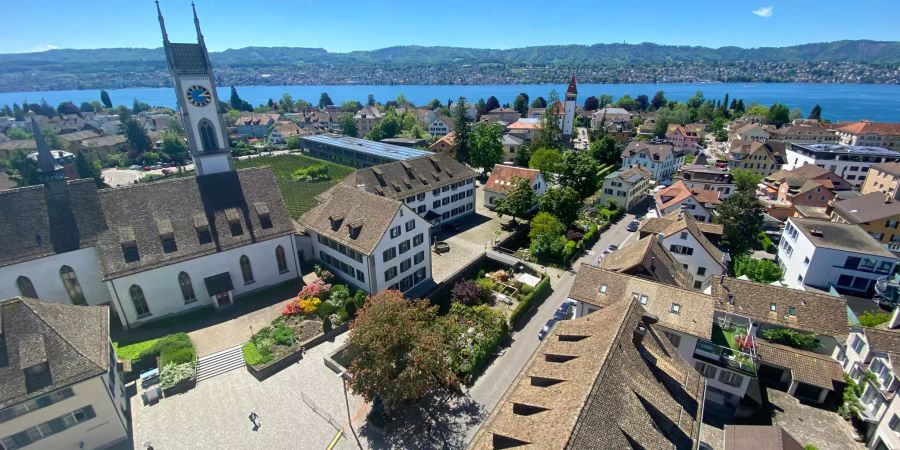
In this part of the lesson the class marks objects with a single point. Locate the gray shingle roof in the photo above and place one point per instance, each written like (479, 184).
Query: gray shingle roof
(840, 236)
(26, 222)
(73, 340)
(677, 221)
(868, 208)
(180, 206)
(759, 437)
(404, 178)
(806, 367)
(656, 151)
(649, 259)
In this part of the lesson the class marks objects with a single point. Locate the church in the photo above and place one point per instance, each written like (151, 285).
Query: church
(152, 249)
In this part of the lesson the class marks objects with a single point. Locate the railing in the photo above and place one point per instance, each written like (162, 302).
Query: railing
(726, 357)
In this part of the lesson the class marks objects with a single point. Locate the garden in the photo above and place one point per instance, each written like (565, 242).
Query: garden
(173, 354)
(300, 178)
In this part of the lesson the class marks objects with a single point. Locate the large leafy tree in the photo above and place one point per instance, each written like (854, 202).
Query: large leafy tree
(579, 171)
(606, 150)
(520, 104)
(641, 102)
(88, 168)
(539, 102)
(401, 352)
(347, 124)
(659, 100)
(174, 148)
(741, 216)
(546, 234)
(778, 115)
(562, 203)
(549, 135)
(487, 146)
(546, 160)
(325, 100)
(591, 103)
(759, 270)
(137, 139)
(745, 180)
(519, 199)
(463, 129)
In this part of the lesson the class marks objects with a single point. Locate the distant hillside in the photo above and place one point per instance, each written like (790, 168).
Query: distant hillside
(134, 67)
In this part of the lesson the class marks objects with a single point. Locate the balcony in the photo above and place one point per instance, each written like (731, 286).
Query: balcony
(887, 289)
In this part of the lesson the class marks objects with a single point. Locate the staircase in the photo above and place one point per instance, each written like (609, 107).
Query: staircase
(219, 363)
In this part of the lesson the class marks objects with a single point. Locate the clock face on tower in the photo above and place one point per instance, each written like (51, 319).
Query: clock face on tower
(199, 95)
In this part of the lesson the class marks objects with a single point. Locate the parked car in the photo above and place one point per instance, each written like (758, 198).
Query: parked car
(564, 310)
(610, 249)
(543, 333)
(167, 171)
(135, 167)
(147, 168)
(441, 247)
(633, 225)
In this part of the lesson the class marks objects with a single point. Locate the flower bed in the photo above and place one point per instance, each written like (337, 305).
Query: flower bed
(176, 359)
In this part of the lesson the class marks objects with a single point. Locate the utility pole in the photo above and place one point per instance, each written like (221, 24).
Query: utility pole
(343, 376)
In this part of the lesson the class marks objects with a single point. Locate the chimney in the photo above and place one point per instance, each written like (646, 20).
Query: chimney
(895, 319)
(660, 237)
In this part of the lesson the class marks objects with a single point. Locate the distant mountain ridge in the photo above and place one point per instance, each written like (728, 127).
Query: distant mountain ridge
(855, 51)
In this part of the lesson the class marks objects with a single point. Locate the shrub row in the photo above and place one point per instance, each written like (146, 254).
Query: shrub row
(540, 292)
(175, 348)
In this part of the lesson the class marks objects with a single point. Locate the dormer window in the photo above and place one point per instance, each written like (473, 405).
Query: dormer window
(773, 307)
(262, 211)
(37, 377)
(234, 221)
(129, 244)
(166, 235)
(201, 225)
(603, 288)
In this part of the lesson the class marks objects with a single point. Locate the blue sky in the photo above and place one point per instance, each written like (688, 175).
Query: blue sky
(346, 25)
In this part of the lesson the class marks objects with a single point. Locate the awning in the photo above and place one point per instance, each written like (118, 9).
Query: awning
(431, 215)
(219, 284)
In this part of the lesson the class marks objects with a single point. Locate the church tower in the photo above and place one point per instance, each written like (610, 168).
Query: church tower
(64, 234)
(569, 119)
(195, 88)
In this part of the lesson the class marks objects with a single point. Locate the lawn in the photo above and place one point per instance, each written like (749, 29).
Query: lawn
(299, 196)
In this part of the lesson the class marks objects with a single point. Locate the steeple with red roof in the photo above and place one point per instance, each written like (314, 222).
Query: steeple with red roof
(573, 89)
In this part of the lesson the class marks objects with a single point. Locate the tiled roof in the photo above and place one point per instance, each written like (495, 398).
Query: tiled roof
(73, 340)
(677, 221)
(759, 437)
(867, 208)
(595, 383)
(656, 151)
(257, 119)
(806, 367)
(679, 192)
(354, 218)
(866, 127)
(696, 308)
(840, 236)
(631, 174)
(813, 312)
(30, 228)
(502, 176)
(885, 340)
(648, 258)
(404, 178)
(181, 207)
(892, 168)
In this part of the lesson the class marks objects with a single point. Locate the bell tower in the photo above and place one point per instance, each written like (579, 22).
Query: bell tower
(568, 124)
(195, 88)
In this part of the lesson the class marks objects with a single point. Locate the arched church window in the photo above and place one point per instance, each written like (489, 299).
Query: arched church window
(187, 288)
(281, 259)
(26, 287)
(73, 288)
(207, 136)
(246, 270)
(140, 303)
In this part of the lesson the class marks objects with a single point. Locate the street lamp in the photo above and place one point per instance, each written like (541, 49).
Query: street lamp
(344, 376)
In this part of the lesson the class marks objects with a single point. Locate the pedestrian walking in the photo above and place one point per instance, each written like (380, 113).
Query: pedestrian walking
(253, 419)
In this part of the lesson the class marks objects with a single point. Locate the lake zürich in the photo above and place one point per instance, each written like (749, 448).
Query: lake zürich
(877, 102)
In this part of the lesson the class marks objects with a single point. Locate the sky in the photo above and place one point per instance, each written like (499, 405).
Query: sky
(348, 25)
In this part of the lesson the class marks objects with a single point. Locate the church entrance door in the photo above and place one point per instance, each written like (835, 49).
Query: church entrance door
(223, 299)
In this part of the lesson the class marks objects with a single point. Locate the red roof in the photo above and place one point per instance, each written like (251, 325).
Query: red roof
(501, 177)
(866, 127)
(572, 88)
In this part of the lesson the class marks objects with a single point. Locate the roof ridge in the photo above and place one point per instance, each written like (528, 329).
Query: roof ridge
(64, 339)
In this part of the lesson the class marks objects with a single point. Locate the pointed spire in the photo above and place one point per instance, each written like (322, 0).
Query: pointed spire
(572, 87)
(46, 162)
(197, 24)
(162, 23)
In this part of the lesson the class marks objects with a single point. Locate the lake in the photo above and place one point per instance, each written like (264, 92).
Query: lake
(876, 102)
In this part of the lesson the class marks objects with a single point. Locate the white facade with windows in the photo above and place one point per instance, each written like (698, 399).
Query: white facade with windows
(450, 201)
(46, 277)
(850, 162)
(694, 257)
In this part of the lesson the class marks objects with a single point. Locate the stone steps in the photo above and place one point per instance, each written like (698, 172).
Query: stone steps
(219, 363)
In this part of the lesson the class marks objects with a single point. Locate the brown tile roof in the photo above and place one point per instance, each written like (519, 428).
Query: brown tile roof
(343, 206)
(656, 151)
(676, 222)
(806, 367)
(759, 437)
(799, 176)
(401, 179)
(695, 315)
(867, 208)
(882, 339)
(679, 192)
(866, 127)
(648, 258)
(892, 168)
(502, 176)
(257, 119)
(592, 384)
(814, 312)
(73, 340)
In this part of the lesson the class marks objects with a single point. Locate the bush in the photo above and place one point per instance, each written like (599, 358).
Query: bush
(350, 309)
(326, 325)
(339, 295)
(874, 318)
(486, 283)
(359, 298)
(309, 305)
(325, 309)
(590, 235)
(473, 348)
(759, 270)
(791, 338)
(765, 243)
(253, 356)
(175, 348)
(173, 373)
(538, 295)
(574, 235)
(469, 293)
(284, 335)
(480, 275)
(569, 251)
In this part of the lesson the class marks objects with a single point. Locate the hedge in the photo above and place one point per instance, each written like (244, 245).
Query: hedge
(174, 348)
(252, 356)
(539, 294)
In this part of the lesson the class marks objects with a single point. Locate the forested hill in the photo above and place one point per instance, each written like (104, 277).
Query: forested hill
(831, 62)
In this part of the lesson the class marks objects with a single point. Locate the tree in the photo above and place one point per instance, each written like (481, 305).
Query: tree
(605, 100)
(487, 146)
(549, 134)
(469, 293)
(796, 113)
(546, 234)
(174, 148)
(520, 104)
(135, 136)
(591, 103)
(659, 100)
(491, 104)
(759, 270)
(370, 100)
(104, 97)
(606, 150)
(519, 199)
(546, 160)
(287, 102)
(626, 103)
(741, 216)
(778, 115)
(237, 103)
(816, 112)
(18, 114)
(539, 103)
(562, 203)
(67, 108)
(579, 170)
(6, 111)
(739, 108)
(695, 101)
(24, 170)
(523, 155)
(351, 105)
(18, 134)
(348, 124)
(641, 102)
(325, 100)
(401, 352)
(745, 180)
(88, 168)
(86, 107)
(434, 104)
(462, 129)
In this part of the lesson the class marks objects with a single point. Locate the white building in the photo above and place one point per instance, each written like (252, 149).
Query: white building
(662, 159)
(568, 119)
(502, 179)
(626, 187)
(683, 236)
(824, 254)
(697, 177)
(874, 134)
(440, 125)
(850, 162)
(608, 115)
(60, 384)
(371, 241)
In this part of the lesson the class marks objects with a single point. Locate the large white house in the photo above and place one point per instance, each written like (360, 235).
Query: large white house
(687, 240)
(626, 186)
(824, 254)
(848, 161)
(152, 249)
(661, 158)
(502, 179)
(60, 386)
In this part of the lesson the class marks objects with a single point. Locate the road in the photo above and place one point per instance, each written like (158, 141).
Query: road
(491, 385)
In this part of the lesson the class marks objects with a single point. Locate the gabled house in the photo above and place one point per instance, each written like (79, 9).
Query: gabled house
(507, 115)
(648, 258)
(804, 134)
(524, 128)
(366, 119)
(503, 178)
(446, 144)
(763, 158)
(661, 158)
(685, 136)
(699, 177)
(281, 132)
(751, 131)
(441, 125)
(255, 125)
(872, 134)
(851, 162)
(698, 203)
(604, 116)
(626, 186)
(810, 186)
(511, 145)
(682, 235)
(876, 213)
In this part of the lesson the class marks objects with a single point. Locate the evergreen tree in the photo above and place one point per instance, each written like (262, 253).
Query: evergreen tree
(104, 98)
(641, 102)
(135, 136)
(816, 112)
(6, 111)
(462, 129)
(434, 104)
(86, 107)
(18, 114)
(779, 115)
(325, 100)
(480, 108)
(739, 108)
(539, 103)
(235, 100)
(491, 104)
(520, 104)
(659, 100)
(549, 135)
(591, 103)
